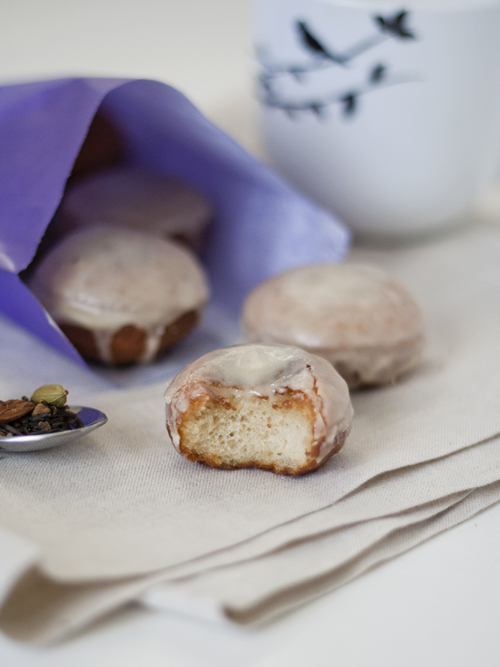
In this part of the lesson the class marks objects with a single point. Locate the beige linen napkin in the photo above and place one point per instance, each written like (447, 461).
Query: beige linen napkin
(387, 495)
(44, 611)
(320, 572)
(122, 503)
(245, 589)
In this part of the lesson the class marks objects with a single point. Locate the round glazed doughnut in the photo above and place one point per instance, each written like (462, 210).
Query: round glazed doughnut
(120, 296)
(138, 200)
(264, 406)
(357, 317)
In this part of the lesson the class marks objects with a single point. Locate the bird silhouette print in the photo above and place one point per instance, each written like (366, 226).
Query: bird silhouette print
(394, 26)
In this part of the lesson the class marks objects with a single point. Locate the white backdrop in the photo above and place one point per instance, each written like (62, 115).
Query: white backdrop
(202, 47)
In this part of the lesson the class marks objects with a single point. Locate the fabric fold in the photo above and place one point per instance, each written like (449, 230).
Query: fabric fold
(43, 611)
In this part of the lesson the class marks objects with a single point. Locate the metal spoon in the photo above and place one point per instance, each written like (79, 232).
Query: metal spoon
(90, 417)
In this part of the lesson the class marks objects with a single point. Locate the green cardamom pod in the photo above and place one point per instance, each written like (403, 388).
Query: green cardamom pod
(52, 394)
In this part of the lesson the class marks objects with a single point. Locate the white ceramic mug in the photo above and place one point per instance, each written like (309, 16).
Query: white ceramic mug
(387, 113)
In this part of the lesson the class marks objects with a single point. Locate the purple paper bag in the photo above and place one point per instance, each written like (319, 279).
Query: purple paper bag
(262, 226)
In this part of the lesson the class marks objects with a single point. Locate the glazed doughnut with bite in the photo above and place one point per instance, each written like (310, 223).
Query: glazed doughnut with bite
(121, 296)
(357, 317)
(138, 200)
(265, 406)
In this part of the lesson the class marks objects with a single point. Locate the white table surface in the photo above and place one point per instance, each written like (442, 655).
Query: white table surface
(436, 605)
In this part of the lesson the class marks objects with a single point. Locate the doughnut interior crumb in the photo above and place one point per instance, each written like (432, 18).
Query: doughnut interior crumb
(251, 431)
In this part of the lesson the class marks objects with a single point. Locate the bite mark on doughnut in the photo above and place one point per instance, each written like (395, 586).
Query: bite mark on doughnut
(277, 432)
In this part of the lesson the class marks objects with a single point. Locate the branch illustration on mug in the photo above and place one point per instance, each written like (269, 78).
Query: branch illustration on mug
(392, 161)
(325, 57)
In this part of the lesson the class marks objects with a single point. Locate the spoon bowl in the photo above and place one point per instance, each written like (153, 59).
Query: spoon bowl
(90, 417)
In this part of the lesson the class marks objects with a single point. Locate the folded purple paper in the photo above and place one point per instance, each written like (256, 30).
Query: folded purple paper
(262, 226)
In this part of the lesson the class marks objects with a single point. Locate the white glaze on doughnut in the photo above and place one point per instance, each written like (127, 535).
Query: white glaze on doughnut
(358, 317)
(266, 371)
(104, 278)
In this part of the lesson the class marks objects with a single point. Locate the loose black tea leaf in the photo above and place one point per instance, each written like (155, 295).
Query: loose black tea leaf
(55, 420)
